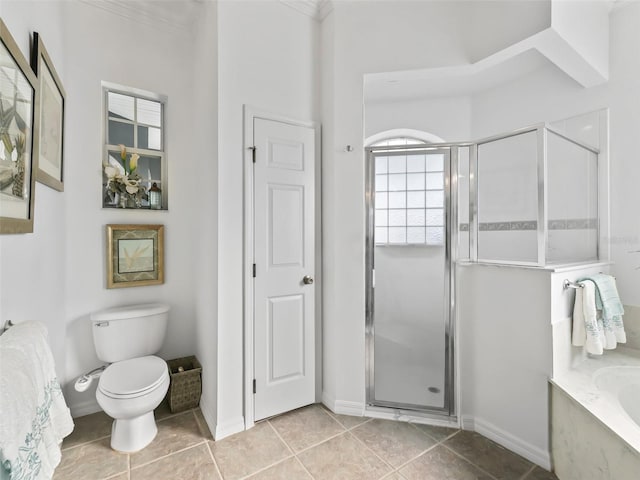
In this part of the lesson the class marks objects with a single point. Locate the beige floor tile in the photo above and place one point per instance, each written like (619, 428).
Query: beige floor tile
(437, 433)
(95, 460)
(347, 421)
(306, 426)
(247, 452)
(162, 411)
(394, 442)
(192, 464)
(343, 457)
(202, 424)
(540, 474)
(394, 476)
(88, 428)
(122, 476)
(442, 464)
(174, 433)
(488, 455)
(291, 468)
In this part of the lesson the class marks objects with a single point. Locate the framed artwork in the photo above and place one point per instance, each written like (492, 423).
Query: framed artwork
(18, 109)
(49, 148)
(135, 255)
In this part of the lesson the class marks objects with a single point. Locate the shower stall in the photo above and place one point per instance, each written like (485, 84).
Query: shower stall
(527, 197)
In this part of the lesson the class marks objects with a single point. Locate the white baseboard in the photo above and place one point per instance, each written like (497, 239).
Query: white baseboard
(222, 430)
(507, 440)
(328, 401)
(84, 408)
(343, 407)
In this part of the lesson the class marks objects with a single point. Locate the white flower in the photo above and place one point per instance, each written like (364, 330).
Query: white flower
(133, 162)
(111, 172)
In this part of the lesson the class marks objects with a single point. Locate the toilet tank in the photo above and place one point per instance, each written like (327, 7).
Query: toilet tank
(128, 332)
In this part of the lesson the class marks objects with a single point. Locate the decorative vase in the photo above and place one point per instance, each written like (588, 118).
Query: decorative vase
(132, 202)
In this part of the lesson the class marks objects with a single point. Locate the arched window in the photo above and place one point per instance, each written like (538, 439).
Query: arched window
(401, 136)
(409, 191)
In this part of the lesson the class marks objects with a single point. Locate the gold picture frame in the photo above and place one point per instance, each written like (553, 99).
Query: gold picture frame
(50, 121)
(19, 96)
(135, 255)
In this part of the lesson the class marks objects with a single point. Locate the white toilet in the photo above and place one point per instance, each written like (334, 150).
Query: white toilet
(136, 381)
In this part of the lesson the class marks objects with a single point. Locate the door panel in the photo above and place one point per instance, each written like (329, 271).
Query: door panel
(286, 225)
(284, 306)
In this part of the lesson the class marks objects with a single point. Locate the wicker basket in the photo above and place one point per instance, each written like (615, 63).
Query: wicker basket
(186, 386)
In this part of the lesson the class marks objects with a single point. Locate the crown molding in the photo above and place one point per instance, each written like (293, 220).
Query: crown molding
(316, 9)
(155, 17)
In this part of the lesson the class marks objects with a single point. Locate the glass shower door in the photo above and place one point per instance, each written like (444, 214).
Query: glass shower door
(409, 279)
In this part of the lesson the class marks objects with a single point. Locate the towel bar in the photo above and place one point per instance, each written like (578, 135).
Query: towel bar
(568, 284)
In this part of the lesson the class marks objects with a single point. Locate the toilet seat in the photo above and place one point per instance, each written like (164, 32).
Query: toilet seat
(133, 378)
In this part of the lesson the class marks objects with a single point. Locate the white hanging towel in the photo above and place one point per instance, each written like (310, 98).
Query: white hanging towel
(587, 331)
(34, 417)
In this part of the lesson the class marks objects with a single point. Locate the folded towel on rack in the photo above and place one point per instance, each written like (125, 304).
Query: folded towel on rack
(608, 301)
(587, 330)
(35, 417)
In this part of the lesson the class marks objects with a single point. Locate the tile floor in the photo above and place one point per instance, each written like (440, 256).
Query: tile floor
(309, 443)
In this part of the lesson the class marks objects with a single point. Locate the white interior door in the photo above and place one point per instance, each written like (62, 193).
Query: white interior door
(284, 250)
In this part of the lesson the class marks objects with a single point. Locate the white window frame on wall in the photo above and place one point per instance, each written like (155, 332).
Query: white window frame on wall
(399, 137)
(136, 93)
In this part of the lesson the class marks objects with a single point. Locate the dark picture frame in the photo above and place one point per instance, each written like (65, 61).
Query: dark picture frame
(19, 96)
(50, 121)
(135, 255)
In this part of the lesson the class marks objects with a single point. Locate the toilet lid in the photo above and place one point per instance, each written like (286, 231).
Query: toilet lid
(133, 377)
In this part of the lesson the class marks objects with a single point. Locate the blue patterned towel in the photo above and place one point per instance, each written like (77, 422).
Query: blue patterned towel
(608, 301)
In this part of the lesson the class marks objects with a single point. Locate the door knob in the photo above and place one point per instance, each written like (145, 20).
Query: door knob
(307, 280)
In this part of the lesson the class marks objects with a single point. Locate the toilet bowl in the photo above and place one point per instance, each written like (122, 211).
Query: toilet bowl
(134, 381)
(129, 391)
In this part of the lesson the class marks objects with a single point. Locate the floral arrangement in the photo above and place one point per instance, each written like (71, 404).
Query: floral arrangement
(125, 181)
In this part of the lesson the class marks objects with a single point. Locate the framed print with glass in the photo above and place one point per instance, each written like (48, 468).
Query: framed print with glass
(50, 122)
(18, 109)
(135, 255)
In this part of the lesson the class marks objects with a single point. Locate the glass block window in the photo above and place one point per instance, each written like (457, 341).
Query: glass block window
(136, 120)
(409, 198)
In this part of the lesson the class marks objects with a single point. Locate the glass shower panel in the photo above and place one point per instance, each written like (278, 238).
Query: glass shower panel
(411, 278)
(508, 199)
(572, 180)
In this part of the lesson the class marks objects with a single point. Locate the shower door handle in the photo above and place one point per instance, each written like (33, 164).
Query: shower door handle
(307, 280)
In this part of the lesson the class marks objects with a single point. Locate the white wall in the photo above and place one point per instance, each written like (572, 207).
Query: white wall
(57, 275)
(205, 71)
(590, 36)
(448, 118)
(268, 60)
(505, 355)
(32, 266)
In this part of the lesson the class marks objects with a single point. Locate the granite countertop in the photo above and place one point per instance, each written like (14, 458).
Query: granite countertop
(579, 384)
